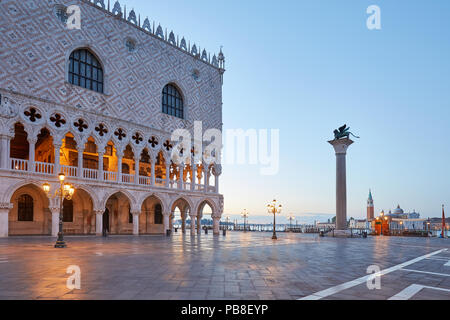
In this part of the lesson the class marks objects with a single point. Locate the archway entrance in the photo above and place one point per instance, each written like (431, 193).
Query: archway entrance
(120, 219)
(151, 219)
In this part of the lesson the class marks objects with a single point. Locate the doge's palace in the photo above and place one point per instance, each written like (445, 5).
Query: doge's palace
(99, 103)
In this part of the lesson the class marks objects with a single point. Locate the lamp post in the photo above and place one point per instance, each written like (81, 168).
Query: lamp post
(291, 217)
(65, 191)
(274, 209)
(244, 214)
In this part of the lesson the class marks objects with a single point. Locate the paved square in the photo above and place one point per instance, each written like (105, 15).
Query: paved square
(238, 266)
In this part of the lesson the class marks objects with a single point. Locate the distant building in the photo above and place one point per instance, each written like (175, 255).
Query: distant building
(370, 207)
(325, 225)
(358, 224)
(399, 220)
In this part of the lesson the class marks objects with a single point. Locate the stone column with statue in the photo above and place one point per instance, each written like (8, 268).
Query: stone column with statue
(340, 144)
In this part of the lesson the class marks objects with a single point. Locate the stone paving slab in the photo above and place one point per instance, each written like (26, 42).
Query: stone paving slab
(238, 266)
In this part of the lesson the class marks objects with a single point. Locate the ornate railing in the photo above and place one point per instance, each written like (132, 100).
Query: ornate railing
(19, 164)
(44, 168)
(110, 176)
(127, 178)
(69, 171)
(90, 174)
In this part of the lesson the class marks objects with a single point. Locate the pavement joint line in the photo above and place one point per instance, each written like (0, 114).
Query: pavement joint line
(438, 259)
(427, 272)
(412, 290)
(350, 284)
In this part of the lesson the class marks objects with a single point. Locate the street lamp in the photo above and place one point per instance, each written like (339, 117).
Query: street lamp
(244, 214)
(274, 209)
(291, 217)
(65, 191)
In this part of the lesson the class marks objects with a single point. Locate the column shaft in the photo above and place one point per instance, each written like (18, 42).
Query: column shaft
(341, 192)
(99, 223)
(55, 221)
(216, 226)
(80, 163)
(135, 224)
(4, 214)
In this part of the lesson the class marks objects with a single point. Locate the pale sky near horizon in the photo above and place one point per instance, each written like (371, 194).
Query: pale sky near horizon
(306, 67)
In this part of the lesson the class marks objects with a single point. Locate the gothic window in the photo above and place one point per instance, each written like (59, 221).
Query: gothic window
(25, 208)
(172, 101)
(158, 214)
(85, 70)
(68, 210)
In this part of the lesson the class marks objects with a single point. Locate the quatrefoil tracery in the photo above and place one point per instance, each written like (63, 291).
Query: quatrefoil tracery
(168, 145)
(137, 138)
(120, 134)
(81, 125)
(58, 120)
(101, 129)
(153, 141)
(32, 114)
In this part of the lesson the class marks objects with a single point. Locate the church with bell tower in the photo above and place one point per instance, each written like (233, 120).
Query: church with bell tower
(370, 207)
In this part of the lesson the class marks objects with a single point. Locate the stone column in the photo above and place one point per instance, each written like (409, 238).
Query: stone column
(153, 178)
(183, 221)
(216, 226)
(192, 225)
(136, 169)
(100, 166)
(119, 166)
(193, 176)
(199, 224)
(135, 223)
(80, 162)
(181, 178)
(4, 164)
(168, 174)
(57, 158)
(206, 176)
(4, 215)
(55, 221)
(99, 222)
(31, 155)
(166, 217)
(340, 148)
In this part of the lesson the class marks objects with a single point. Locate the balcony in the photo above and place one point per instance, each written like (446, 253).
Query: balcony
(91, 175)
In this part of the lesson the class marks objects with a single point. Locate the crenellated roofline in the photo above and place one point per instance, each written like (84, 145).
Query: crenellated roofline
(157, 32)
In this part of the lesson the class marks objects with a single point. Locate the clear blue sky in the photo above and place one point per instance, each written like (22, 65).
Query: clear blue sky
(309, 66)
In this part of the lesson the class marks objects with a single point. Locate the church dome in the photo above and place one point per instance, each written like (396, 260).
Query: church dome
(398, 210)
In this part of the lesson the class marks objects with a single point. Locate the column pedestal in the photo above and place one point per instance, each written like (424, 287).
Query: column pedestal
(340, 148)
(166, 218)
(99, 223)
(55, 221)
(4, 215)
(192, 225)
(136, 224)
(216, 226)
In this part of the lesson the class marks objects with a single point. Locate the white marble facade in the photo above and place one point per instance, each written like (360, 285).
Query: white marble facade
(34, 89)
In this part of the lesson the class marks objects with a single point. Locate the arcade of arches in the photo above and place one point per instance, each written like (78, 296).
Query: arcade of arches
(33, 213)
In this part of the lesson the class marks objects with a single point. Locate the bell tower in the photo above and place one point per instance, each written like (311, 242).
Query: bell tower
(370, 208)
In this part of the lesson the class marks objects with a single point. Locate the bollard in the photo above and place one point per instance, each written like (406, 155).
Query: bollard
(224, 232)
